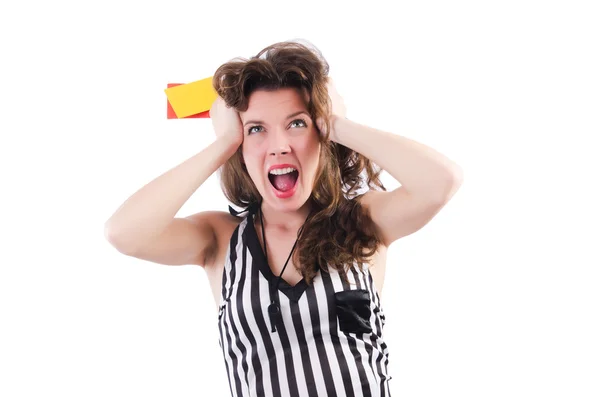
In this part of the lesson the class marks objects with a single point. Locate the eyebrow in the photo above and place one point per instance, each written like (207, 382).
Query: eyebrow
(288, 117)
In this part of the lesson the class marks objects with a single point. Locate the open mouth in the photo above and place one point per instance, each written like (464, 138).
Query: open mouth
(285, 182)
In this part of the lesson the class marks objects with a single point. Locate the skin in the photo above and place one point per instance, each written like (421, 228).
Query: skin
(276, 140)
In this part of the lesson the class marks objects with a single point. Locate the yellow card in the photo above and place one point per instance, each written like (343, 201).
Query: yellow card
(191, 98)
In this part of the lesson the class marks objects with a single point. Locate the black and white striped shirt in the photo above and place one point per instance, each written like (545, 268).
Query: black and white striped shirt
(330, 343)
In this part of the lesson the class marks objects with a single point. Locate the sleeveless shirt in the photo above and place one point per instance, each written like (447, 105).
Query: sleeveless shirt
(330, 342)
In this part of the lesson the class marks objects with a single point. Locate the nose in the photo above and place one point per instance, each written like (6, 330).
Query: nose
(279, 142)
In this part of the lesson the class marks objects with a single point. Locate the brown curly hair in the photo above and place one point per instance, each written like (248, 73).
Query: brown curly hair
(339, 230)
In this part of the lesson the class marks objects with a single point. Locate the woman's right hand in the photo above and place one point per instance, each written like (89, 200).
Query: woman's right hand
(226, 122)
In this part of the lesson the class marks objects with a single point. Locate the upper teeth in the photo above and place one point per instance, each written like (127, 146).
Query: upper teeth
(282, 171)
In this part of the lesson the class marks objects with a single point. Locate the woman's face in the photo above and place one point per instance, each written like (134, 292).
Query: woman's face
(278, 131)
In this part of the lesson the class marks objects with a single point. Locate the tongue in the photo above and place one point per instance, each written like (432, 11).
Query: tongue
(284, 182)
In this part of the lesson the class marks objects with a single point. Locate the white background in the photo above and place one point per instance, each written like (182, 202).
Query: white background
(497, 296)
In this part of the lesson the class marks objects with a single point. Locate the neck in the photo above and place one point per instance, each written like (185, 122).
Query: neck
(284, 221)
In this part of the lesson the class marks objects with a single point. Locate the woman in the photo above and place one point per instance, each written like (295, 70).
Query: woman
(297, 275)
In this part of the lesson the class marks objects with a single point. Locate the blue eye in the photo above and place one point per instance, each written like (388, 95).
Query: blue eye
(303, 122)
(254, 126)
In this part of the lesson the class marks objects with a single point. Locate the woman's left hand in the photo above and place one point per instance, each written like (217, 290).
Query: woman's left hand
(338, 108)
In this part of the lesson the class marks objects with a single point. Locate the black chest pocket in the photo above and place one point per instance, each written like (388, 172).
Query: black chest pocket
(353, 309)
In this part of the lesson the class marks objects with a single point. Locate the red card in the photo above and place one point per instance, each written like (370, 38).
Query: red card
(171, 113)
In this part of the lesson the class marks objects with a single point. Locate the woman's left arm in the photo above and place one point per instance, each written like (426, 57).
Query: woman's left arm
(428, 178)
(422, 171)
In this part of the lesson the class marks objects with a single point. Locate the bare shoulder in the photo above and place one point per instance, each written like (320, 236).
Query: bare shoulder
(223, 224)
(378, 262)
(377, 267)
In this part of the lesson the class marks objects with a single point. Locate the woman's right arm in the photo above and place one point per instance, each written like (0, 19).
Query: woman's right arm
(145, 226)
